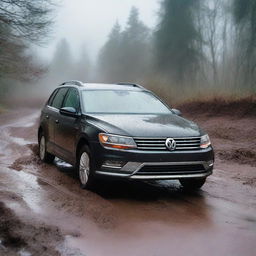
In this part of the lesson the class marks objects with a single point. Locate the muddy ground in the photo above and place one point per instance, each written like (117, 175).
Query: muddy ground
(44, 212)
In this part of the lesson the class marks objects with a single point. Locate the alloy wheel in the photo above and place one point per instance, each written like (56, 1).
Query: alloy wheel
(42, 148)
(84, 168)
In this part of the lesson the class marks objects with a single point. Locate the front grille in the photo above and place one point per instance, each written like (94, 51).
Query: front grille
(158, 144)
(171, 169)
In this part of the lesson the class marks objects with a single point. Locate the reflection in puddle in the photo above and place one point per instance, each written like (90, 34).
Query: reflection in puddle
(1, 245)
(20, 141)
(28, 122)
(31, 192)
(24, 253)
(61, 164)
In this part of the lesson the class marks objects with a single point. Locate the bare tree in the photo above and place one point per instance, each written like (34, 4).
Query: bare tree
(245, 16)
(26, 19)
(22, 22)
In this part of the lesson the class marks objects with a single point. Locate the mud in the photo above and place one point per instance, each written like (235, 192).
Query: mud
(244, 107)
(19, 237)
(43, 211)
(241, 156)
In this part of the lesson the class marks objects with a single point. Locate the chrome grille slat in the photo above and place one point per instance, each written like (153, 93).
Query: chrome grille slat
(150, 141)
(185, 141)
(186, 148)
(188, 143)
(158, 138)
(152, 148)
(160, 144)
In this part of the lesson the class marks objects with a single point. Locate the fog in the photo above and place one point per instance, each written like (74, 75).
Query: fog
(182, 50)
(88, 23)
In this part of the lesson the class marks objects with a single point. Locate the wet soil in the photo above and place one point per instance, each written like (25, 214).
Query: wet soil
(43, 211)
(25, 238)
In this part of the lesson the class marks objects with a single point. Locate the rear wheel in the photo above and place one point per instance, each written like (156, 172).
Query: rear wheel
(43, 154)
(85, 168)
(192, 184)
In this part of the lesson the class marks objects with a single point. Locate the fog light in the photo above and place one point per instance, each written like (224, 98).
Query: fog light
(113, 164)
(210, 163)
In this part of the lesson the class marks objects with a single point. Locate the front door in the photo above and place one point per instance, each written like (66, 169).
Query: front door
(67, 128)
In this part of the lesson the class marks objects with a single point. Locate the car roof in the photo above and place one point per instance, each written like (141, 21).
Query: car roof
(101, 86)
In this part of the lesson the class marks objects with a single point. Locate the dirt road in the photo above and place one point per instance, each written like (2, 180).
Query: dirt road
(44, 212)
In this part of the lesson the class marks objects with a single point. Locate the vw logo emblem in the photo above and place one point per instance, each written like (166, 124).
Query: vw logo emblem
(170, 144)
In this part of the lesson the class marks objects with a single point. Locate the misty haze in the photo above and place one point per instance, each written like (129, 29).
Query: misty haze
(152, 67)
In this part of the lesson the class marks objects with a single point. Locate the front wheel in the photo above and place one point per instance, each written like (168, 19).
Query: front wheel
(85, 168)
(43, 154)
(192, 184)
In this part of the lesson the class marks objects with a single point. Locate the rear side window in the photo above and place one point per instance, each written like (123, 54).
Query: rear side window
(59, 97)
(72, 99)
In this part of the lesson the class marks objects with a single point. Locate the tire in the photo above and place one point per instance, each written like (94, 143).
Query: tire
(192, 184)
(43, 154)
(85, 168)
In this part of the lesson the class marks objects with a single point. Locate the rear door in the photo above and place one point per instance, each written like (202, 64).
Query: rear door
(47, 124)
(53, 117)
(68, 127)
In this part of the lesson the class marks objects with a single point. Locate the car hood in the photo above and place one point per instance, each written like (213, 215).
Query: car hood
(155, 125)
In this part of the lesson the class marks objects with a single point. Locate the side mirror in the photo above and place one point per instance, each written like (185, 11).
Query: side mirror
(176, 112)
(69, 111)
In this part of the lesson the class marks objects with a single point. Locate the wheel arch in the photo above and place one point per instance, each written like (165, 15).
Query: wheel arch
(81, 142)
(40, 131)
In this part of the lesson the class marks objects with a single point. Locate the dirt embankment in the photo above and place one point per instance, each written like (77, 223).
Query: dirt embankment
(245, 107)
(231, 126)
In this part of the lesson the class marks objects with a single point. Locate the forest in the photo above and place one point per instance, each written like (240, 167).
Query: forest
(114, 171)
(198, 49)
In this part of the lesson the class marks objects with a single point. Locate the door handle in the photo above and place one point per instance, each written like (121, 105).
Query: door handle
(56, 121)
(47, 117)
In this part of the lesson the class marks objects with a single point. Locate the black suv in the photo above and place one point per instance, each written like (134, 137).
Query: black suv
(124, 131)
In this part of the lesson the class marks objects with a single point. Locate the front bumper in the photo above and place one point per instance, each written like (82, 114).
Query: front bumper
(144, 165)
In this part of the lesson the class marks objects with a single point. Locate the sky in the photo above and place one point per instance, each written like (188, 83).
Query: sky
(87, 23)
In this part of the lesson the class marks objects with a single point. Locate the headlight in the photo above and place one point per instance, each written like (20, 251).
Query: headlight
(116, 141)
(205, 141)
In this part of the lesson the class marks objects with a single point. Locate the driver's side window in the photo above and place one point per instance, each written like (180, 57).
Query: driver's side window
(72, 99)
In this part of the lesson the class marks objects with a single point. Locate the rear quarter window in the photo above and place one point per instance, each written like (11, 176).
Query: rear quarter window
(49, 102)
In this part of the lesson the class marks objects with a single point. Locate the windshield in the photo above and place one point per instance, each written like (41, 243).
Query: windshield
(122, 102)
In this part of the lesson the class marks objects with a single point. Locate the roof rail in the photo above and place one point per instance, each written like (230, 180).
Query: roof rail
(74, 82)
(132, 84)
